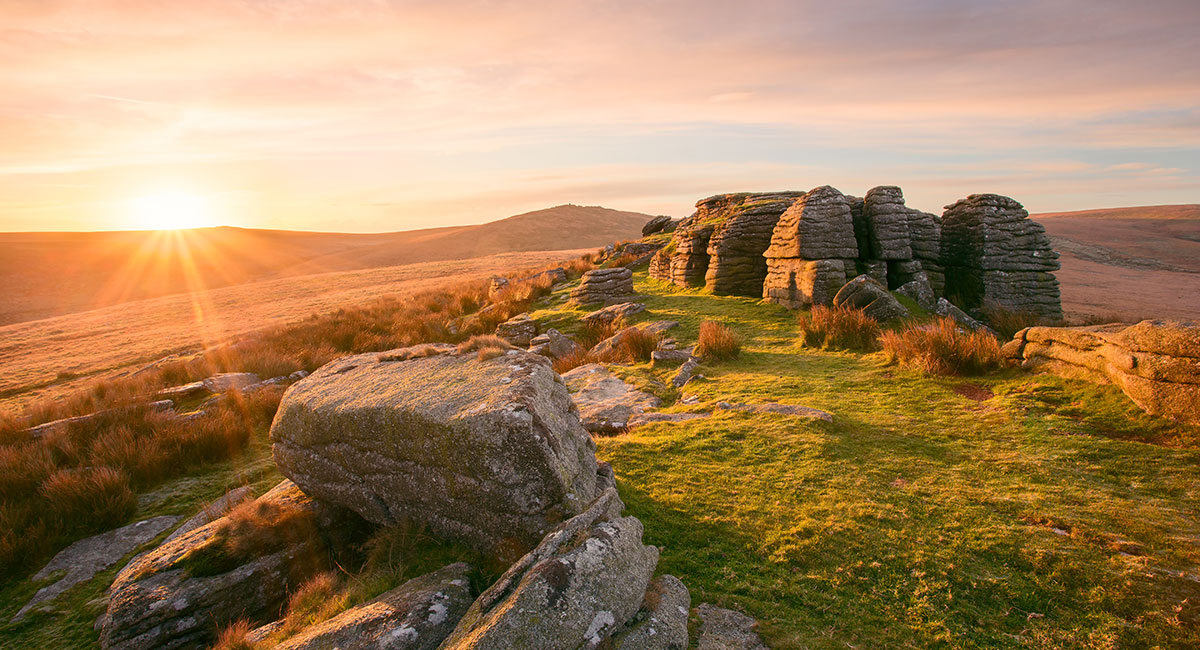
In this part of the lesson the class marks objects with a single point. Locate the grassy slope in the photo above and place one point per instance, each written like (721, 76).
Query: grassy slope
(920, 518)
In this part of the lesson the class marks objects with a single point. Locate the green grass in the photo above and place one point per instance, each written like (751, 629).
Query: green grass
(921, 517)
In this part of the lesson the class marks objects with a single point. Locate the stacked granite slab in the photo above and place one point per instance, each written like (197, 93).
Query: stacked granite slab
(994, 254)
(925, 232)
(897, 244)
(743, 232)
(684, 260)
(604, 286)
(813, 250)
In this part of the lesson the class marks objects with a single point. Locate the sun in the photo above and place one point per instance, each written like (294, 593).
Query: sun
(171, 210)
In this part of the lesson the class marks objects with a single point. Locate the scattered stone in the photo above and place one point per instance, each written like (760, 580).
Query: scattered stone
(1155, 362)
(611, 344)
(873, 298)
(687, 372)
(581, 584)
(550, 276)
(649, 418)
(606, 403)
(158, 406)
(604, 286)
(613, 313)
(742, 233)
(417, 615)
(184, 392)
(487, 452)
(656, 225)
(661, 623)
(228, 381)
(920, 292)
(497, 285)
(554, 344)
(946, 308)
(670, 358)
(780, 409)
(157, 602)
(994, 254)
(298, 375)
(87, 557)
(725, 629)
(518, 330)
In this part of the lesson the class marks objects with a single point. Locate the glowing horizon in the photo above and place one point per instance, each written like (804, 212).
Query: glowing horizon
(373, 116)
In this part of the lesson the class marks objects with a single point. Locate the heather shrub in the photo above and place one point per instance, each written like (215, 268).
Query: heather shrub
(941, 348)
(717, 342)
(838, 328)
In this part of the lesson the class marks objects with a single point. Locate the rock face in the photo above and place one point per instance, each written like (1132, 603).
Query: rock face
(604, 286)
(655, 225)
(993, 253)
(1156, 363)
(661, 624)
(735, 249)
(812, 247)
(725, 629)
(489, 453)
(865, 293)
(606, 403)
(417, 615)
(157, 602)
(518, 330)
(584, 582)
(87, 557)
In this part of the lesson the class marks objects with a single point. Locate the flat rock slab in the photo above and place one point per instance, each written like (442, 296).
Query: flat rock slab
(417, 615)
(612, 313)
(725, 629)
(487, 452)
(780, 409)
(606, 403)
(90, 556)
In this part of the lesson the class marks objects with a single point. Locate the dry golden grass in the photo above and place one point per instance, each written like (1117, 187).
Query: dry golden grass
(941, 348)
(717, 342)
(489, 346)
(1007, 322)
(577, 358)
(254, 529)
(838, 328)
(233, 637)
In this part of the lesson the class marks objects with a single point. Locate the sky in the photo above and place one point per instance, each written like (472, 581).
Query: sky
(377, 115)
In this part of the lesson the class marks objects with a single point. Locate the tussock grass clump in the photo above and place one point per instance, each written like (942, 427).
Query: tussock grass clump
(489, 346)
(579, 357)
(594, 332)
(633, 344)
(941, 348)
(838, 328)
(233, 637)
(88, 499)
(318, 598)
(717, 342)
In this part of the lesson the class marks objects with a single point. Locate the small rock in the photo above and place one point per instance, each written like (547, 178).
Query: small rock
(865, 293)
(613, 313)
(87, 557)
(670, 358)
(227, 381)
(612, 343)
(919, 292)
(725, 629)
(661, 623)
(518, 330)
(554, 344)
(686, 372)
(655, 225)
(606, 403)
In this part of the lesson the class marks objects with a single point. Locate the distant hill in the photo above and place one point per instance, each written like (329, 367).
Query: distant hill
(53, 273)
(1130, 262)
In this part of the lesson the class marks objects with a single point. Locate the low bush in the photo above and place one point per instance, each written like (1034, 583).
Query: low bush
(717, 342)
(941, 348)
(838, 328)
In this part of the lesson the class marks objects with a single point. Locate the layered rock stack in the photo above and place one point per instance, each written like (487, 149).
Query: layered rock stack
(1156, 363)
(897, 244)
(604, 286)
(813, 250)
(684, 261)
(735, 250)
(994, 254)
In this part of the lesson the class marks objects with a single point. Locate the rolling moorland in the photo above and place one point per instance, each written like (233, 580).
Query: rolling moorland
(995, 511)
(51, 274)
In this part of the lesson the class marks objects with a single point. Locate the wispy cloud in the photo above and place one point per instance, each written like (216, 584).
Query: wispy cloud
(449, 108)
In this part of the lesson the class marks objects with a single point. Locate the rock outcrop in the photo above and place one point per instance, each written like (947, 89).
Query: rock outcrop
(1156, 363)
(606, 403)
(172, 598)
(518, 330)
(735, 249)
(487, 452)
(585, 582)
(604, 286)
(417, 615)
(865, 293)
(656, 225)
(994, 254)
(812, 249)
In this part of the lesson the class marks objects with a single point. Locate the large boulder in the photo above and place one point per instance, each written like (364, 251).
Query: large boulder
(584, 582)
(742, 231)
(812, 251)
(604, 286)
(417, 615)
(179, 594)
(873, 298)
(486, 452)
(655, 225)
(1156, 363)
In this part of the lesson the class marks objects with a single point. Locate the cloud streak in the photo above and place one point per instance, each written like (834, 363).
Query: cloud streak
(305, 103)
